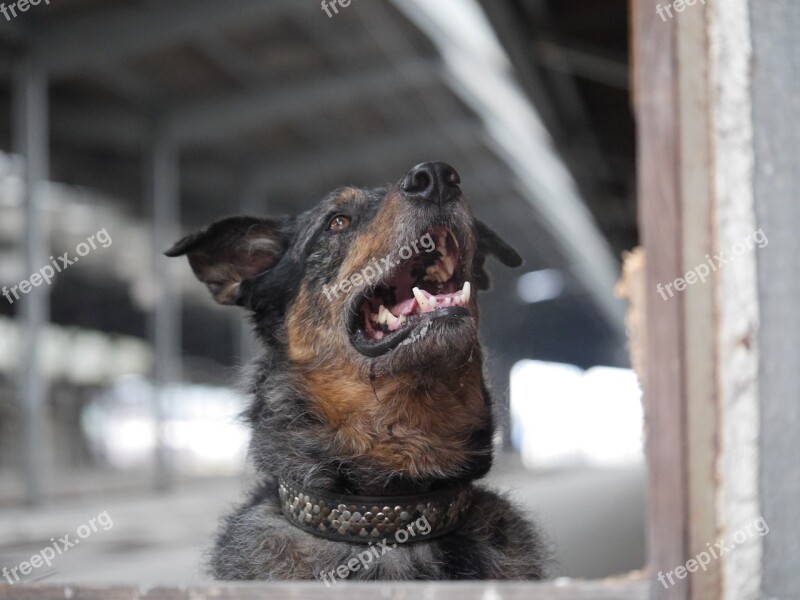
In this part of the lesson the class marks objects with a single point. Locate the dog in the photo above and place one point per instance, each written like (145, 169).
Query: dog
(370, 416)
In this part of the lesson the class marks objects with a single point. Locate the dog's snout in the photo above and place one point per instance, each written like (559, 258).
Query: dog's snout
(432, 182)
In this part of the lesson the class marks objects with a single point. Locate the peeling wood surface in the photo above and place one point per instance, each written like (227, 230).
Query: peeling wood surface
(610, 589)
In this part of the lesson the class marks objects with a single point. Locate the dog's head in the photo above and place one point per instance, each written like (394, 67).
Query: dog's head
(384, 278)
(368, 301)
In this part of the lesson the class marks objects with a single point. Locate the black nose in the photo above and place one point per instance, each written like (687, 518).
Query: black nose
(432, 182)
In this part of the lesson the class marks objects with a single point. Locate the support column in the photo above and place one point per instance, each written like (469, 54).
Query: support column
(30, 131)
(166, 317)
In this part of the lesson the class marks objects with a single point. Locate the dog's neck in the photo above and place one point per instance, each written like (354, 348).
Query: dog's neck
(390, 435)
(396, 424)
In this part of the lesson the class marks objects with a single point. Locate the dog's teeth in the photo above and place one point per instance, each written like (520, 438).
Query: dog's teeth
(391, 321)
(466, 292)
(436, 273)
(394, 323)
(374, 318)
(383, 315)
(431, 304)
(449, 266)
(427, 302)
(421, 299)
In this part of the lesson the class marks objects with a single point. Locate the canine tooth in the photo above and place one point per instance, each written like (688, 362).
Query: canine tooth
(421, 299)
(383, 315)
(466, 292)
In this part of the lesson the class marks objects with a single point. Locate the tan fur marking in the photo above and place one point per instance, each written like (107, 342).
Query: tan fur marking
(414, 432)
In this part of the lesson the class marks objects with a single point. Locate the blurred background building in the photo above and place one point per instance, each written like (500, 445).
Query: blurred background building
(130, 123)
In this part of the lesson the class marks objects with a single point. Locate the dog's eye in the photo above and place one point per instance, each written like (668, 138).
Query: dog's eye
(339, 223)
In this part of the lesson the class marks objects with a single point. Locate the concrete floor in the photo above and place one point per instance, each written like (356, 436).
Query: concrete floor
(595, 518)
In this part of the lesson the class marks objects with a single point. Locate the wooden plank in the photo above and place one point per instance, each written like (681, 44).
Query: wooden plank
(616, 589)
(655, 79)
(696, 176)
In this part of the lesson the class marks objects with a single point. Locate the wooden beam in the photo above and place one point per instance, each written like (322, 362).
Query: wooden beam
(225, 116)
(612, 589)
(697, 182)
(104, 38)
(655, 80)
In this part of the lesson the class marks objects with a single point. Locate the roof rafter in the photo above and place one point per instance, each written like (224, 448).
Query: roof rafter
(105, 38)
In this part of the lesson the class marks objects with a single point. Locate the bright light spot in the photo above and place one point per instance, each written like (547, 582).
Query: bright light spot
(565, 417)
(201, 429)
(540, 286)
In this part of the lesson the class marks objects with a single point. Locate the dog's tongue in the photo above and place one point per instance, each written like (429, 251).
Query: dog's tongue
(423, 301)
(406, 307)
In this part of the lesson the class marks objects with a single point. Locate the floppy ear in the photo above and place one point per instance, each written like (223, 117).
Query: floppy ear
(490, 243)
(231, 252)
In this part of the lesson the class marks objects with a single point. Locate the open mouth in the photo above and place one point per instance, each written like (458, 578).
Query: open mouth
(427, 286)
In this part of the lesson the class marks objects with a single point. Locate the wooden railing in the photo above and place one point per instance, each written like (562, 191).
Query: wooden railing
(609, 589)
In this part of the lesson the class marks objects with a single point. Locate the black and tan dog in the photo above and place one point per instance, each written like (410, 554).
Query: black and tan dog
(369, 412)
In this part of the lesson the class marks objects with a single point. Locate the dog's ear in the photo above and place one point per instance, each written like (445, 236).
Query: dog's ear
(490, 243)
(231, 252)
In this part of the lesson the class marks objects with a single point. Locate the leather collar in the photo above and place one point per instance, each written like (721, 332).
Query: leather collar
(365, 519)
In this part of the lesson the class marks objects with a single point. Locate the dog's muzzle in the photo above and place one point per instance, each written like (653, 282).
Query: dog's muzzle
(363, 519)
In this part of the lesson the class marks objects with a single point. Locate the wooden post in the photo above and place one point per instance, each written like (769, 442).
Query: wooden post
(695, 136)
(660, 221)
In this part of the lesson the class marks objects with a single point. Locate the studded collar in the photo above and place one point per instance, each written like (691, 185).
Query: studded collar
(365, 519)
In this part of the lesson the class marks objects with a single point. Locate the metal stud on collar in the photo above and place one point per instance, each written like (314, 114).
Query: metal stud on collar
(361, 519)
